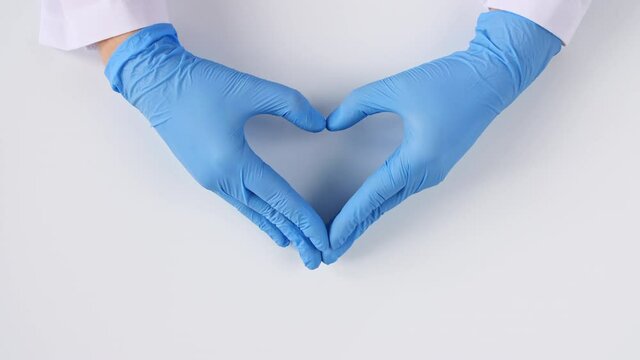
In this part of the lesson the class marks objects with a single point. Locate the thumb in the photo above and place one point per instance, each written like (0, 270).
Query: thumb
(362, 102)
(279, 100)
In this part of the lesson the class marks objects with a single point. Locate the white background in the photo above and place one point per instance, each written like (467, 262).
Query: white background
(529, 250)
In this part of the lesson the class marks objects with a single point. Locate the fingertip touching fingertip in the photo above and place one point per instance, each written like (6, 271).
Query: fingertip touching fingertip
(332, 125)
(328, 260)
(322, 244)
(337, 121)
(336, 241)
(319, 122)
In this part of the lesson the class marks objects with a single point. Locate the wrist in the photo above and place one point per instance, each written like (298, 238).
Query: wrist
(137, 48)
(108, 46)
(521, 45)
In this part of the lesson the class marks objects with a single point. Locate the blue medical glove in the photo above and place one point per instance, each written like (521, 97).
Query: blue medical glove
(199, 108)
(445, 106)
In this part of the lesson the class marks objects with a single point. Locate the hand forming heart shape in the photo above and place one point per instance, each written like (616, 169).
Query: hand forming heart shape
(200, 107)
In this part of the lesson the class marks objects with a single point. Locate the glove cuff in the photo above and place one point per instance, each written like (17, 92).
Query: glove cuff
(522, 45)
(137, 44)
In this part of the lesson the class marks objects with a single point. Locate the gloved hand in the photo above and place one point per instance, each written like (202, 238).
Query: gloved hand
(199, 108)
(445, 106)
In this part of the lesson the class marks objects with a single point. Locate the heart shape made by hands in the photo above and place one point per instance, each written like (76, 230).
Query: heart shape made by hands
(200, 109)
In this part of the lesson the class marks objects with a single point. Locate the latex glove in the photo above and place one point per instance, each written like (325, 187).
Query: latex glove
(199, 108)
(445, 106)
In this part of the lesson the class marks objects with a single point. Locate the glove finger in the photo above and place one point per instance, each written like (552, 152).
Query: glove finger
(309, 254)
(365, 101)
(276, 99)
(274, 190)
(389, 180)
(333, 255)
(265, 225)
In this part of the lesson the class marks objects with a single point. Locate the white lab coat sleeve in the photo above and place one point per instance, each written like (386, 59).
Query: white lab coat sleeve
(72, 24)
(560, 17)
